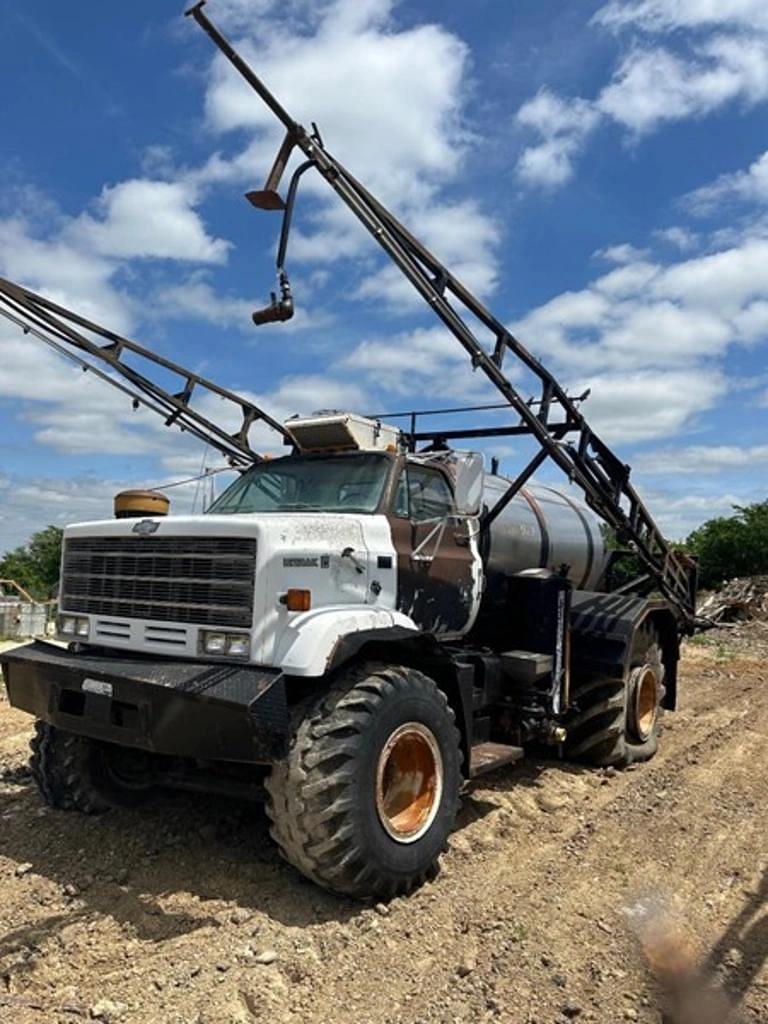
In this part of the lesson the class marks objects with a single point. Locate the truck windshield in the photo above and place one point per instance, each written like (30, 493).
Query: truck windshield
(306, 484)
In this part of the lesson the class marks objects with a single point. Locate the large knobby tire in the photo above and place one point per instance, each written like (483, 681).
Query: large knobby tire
(61, 765)
(367, 797)
(617, 722)
(74, 773)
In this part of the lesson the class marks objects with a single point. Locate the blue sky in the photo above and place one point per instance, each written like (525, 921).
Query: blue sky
(597, 171)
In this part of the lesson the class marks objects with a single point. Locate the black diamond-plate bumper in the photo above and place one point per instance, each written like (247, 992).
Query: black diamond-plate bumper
(180, 708)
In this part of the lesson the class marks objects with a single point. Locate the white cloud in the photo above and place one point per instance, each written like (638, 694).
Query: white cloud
(70, 430)
(291, 395)
(77, 266)
(406, 86)
(637, 333)
(404, 360)
(723, 282)
(67, 274)
(665, 15)
(752, 322)
(681, 238)
(67, 410)
(403, 135)
(701, 459)
(662, 332)
(425, 361)
(72, 412)
(30, 504)
(645, 405)
(645, 315)
(678, 515)
(195, 299)
(462, 237)
(242, 14)
(627, 280)
(622, 253)
(563, 126)
(305, 393)
(148, 219)
(749, 186)
(653, 86)
(647, 338)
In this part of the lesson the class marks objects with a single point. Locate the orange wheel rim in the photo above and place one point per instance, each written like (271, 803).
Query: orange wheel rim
(645, 701)
(409, 782)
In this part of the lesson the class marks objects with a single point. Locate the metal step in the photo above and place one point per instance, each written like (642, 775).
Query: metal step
(485, 757)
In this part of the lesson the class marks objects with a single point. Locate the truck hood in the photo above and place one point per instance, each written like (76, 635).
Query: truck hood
(277, 524)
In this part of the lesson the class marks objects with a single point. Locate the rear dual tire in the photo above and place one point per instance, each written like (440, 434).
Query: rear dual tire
(368, 795)
(617, 722)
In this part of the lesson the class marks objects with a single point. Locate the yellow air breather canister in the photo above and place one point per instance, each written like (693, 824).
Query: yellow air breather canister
(133, 504)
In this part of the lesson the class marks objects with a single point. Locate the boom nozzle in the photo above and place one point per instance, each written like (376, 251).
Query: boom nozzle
(280, 309)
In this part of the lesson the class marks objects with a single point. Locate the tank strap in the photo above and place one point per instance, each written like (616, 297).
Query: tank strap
(541, 520)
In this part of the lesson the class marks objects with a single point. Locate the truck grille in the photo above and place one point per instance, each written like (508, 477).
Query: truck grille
(205, 580)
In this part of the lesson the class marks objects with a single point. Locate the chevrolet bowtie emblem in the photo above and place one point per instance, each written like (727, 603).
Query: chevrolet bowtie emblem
(145, 527)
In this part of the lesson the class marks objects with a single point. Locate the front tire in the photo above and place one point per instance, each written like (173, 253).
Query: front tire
(61, 765)
(617, 722)
(75, 773)
(367, 797)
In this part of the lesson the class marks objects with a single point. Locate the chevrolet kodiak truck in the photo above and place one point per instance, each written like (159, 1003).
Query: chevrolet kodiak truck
(336, 631)
(357, 629)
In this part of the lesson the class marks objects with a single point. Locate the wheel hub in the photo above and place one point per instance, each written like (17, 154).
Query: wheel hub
(409, 782)
(644, 701)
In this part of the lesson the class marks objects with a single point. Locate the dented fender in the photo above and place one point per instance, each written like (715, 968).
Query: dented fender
(307, 645)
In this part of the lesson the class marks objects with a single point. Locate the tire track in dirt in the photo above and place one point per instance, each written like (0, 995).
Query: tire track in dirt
(173, 913)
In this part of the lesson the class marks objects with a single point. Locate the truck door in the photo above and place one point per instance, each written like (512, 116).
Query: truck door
(435, 578)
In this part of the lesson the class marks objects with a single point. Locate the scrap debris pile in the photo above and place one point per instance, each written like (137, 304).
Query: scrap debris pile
(739, 600)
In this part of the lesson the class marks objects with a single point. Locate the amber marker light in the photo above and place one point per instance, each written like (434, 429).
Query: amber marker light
(298, 600)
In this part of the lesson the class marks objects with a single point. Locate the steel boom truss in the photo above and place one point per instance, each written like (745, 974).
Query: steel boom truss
(68, 333)
(550, 420)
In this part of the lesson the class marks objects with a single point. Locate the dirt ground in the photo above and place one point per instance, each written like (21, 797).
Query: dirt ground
(183, 912)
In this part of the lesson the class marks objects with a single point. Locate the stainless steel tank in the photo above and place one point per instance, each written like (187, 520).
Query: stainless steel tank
(544, 527)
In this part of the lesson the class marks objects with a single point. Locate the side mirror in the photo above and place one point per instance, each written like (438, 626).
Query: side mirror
(468, 471)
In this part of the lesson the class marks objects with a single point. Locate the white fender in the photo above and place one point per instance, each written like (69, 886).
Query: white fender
(306, 645)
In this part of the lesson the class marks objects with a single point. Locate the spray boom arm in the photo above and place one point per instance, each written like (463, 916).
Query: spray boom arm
(177, 394)
(552, 418)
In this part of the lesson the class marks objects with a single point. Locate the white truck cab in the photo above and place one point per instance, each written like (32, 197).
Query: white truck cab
(347, 533)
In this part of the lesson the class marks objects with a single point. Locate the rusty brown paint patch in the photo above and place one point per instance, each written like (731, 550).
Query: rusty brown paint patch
(438, 591)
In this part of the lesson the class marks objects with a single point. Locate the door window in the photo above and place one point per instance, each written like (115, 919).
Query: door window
(423, 494)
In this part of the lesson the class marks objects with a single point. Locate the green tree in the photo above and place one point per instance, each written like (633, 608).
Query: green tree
(35, 565)
(734, 545)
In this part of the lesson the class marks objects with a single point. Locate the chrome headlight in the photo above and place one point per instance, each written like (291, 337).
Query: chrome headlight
(73, 625)
(235, 645)
(214, 643)
(238, 645)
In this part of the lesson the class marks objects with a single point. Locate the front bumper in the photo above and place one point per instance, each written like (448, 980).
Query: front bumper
(179, 708)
